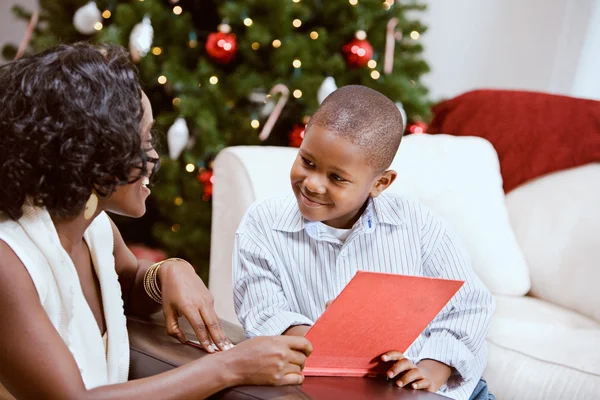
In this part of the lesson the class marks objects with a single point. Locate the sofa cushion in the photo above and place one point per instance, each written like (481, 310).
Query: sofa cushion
(541, 351)
(556, 219)
(459, 178)
(534, 133)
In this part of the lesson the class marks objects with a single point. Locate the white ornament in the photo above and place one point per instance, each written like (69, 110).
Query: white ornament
(327, 87)
(86, 17)
(403, 112)
(177, 138)
(140, 39)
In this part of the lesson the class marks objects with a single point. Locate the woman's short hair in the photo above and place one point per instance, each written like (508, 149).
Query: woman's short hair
(69, 124)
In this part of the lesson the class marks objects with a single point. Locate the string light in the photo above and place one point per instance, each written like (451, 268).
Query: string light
(177, 10)
(276, 43)
(178, 201)
(372, 64)
(353, 2)
(296, 1)
(361, 35)
(387, 4)
(176, 102)
(255, 46)
(162, 79)
(175, 227)
(190, 167)
(415, 35)
(247, 22)
(106, 14)
(254, 123)
(157, 51)
(98, 26)
(193, 44)
(314, 35)
(297, 63)
(214, 80)
(297, 93)
(297, 23)
(375, 75)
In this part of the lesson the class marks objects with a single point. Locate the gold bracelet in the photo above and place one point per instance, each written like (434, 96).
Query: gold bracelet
(151, 285)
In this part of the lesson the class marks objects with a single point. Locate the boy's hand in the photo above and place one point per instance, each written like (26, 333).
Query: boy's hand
(428, 375)
(409, 374)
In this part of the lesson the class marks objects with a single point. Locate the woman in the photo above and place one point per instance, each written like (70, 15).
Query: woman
(75, 142)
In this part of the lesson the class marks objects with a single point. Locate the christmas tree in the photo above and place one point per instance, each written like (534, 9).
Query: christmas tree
(209, 68)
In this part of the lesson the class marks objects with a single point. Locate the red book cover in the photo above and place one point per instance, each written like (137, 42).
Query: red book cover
(375, 313)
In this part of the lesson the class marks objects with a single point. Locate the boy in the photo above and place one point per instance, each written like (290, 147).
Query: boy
(293, 255)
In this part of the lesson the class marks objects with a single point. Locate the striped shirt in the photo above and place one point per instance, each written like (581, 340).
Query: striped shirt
(286, 268)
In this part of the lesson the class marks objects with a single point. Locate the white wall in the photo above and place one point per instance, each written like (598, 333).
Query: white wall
(518, 44)
(587, 76)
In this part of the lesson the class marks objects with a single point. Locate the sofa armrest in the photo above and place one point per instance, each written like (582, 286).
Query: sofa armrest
(153, 351)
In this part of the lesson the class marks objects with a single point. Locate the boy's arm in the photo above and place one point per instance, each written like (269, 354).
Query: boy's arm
(260, 303)
(456, 337)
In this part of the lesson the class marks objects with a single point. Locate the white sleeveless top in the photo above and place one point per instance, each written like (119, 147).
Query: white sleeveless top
(35, 241)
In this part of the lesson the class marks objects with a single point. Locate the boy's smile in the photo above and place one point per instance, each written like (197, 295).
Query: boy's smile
(332, 180)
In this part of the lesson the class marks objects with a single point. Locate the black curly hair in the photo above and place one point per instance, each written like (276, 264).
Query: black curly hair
(69, 124)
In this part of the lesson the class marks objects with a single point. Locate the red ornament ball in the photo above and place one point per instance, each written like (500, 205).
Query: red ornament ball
(206, 177)
(221, 47)
(358, 53)
(417, 127)
(296, 136)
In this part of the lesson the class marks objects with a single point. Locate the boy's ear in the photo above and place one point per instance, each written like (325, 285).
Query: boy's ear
(384, 182)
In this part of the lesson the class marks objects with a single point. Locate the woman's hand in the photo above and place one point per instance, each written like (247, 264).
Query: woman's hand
(268, 360)
(184, 294)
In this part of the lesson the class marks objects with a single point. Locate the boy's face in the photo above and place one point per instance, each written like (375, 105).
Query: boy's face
(332, 179)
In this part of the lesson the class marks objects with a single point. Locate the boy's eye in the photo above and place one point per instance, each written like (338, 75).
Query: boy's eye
(307, 162)
(337, 178)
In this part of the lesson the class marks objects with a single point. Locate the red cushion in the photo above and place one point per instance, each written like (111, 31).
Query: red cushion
(534, 133)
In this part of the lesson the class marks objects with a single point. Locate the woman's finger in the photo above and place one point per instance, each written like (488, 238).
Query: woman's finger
(172, 324)
(195, 320)
(213, 325)
(297, 358)
(291, 379)
(293, 369)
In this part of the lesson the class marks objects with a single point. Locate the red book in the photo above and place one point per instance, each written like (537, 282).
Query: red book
(375, 313)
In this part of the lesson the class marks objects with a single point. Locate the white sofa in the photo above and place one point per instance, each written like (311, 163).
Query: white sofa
(537, 249)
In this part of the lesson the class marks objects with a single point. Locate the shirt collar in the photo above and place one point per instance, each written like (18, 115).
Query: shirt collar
(381, 210)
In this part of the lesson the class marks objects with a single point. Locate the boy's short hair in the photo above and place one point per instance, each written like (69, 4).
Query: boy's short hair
(364, 117)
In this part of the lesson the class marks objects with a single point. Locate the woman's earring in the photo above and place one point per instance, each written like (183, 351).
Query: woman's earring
(90, 206)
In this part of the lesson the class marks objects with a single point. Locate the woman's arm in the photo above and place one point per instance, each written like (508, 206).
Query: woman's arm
(183, 294)
(35, 362)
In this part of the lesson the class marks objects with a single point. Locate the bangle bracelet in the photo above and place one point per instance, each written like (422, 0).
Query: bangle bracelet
(151, 285)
